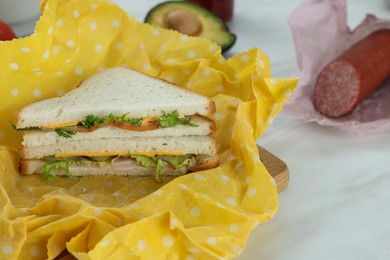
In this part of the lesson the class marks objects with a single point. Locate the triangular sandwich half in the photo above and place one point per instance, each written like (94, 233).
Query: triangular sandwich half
(118, 122)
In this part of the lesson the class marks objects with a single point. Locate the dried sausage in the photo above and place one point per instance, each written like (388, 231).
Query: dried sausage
(355, 74)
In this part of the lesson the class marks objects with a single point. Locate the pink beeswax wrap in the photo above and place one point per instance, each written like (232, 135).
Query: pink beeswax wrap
(321, 34)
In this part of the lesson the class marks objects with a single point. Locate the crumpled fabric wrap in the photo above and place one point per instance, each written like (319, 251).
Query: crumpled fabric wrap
(203, 215)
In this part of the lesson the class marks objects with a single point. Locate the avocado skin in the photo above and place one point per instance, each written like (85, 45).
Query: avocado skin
(214, 28)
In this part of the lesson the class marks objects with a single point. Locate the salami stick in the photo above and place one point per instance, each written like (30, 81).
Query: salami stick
(355, 74)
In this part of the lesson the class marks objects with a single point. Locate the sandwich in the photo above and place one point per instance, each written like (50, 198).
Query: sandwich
(118, 122)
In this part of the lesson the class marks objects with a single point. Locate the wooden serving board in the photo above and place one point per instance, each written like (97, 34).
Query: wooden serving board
(276, 167)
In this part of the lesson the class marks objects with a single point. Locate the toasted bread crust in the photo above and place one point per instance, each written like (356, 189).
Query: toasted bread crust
(211, 124)
(212, 107)
(22, 152)
(206, 164)
(24, 167)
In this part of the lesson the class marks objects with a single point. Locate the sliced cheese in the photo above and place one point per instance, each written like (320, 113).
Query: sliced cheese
(156, 153)
(59, 125)
(148, 120)
(113, 153)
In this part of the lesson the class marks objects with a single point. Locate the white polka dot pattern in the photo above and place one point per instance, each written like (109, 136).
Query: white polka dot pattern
(7, 249)
(76, 14)
(212, 241)
(59, 23)
(93, 26)
(233, 228)
(14, 66)
(172, 224)
(115, 23)
(105, 242)
(183, 186)
(245, 58)
(195, 211)
(167, 241)
(132, 205)
(15, 92)
(158, 192)
(35, 251)
(79, 71)
(70, 43)
(231, 201)
(141, 245)
(252, 192)
(191, 54)
(98, 48)
(119, 45)
(25, 49)
(37, 93)
(261, 64)
(193, 250)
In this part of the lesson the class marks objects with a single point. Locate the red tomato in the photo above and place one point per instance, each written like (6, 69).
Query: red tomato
(6, 32)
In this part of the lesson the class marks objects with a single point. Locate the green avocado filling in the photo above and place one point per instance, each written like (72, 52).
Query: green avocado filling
(166, 120)
(54, 165)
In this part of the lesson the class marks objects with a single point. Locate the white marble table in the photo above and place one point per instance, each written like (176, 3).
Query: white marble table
(337, 203)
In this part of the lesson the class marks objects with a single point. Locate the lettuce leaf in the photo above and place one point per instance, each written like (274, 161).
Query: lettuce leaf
(151, 161)
(53, 166)
(173, 119)
(160, 169)
(64, 133)
(166, 120)
(92, 120)
(176, 161)
(147, 161)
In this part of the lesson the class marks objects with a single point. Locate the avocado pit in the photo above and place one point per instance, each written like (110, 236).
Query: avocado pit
(184, 22)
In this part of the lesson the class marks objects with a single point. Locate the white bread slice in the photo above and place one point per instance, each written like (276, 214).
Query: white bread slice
(41, 138)
(117, 91)
(66, 147)
(122, 167)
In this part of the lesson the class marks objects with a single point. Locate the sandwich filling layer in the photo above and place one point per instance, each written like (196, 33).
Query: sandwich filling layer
(92, 123)
(34, 138)
(137, 165)
(107, 146)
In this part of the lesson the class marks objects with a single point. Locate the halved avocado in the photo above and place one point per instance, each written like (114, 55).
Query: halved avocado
(191, 19)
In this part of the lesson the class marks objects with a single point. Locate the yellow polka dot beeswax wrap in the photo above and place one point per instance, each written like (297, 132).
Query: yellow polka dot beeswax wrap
(202, 215)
